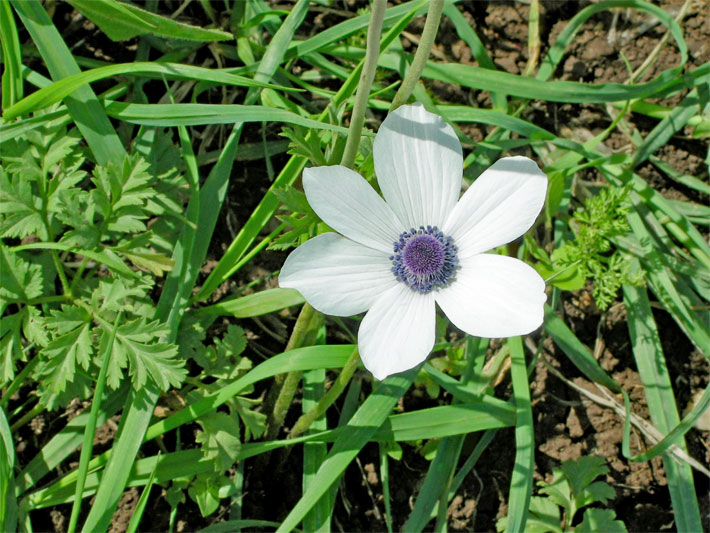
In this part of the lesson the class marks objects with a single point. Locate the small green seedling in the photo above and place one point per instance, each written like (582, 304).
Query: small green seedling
(591, 253)
(572, 488)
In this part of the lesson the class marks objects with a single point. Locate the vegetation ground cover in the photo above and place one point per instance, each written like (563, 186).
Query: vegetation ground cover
(167, 259)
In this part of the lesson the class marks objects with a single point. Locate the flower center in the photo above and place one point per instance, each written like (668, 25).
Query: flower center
(424, 259)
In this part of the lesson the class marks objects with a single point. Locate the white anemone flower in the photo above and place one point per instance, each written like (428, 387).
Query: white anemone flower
(421, 245)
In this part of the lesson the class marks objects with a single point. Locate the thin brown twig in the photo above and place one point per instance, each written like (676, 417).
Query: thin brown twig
(649, 430)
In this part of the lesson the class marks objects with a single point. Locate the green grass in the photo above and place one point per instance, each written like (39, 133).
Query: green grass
(215, 97)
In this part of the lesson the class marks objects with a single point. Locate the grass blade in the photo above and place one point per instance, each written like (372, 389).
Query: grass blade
(678, 431)
(64, 87)
(521, 482)
(556, 53)
(530, 88)
(650, 360)
(666, 128)
(373, 412)
(8, 502)
(66, 441)
(350, 27)
(83, 105)
(577, 352)
(12, 82)
(165, 467)
(142, 502)
(90, 429)
(469, 36)
(436, 482)
(122, 21)
(168, 115)
(676, 303)
(314, 453)
(259, 303)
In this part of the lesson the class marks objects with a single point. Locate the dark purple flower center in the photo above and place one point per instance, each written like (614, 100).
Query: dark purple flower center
(424, 259)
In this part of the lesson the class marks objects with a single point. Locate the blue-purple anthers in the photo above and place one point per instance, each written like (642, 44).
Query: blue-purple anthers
(424, 259)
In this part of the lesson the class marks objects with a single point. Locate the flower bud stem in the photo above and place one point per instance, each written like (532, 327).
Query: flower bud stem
(305, 421)
(431, 26)
(285, 386)
(363, 90)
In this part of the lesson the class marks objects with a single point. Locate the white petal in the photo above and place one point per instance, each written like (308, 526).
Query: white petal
(397, 332)
(349, 205)
(419, 166)
(336, 275)
(494, 296)
(499, 207)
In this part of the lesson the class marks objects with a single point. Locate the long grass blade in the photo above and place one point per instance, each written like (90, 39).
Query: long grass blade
(521, 482)
(142, 502)
(64, 87)
(651, 363)
(83, 105)
(558, 49)
(90, 430)
(8, 502)
(12, 82)
(123, 21)
(354, 436)
(167, 115)
(314, 453)
(578, 353)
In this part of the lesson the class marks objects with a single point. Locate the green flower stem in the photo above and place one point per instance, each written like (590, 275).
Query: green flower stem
(259, 247)
(431, 26)
(90, 430)
(36, 410)
(49, 299)
(305, 421)
(558, 274)
(363, 89)
(44, 214)
(55, 256)
(79, 273)
(60, 271)
(286, 385)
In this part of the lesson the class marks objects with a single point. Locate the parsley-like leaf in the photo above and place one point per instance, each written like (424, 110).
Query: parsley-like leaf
(139, 345)
(10, 346)
(71, 346)
(20, 280)
(121, 194)
(63, 354)
(20, 207)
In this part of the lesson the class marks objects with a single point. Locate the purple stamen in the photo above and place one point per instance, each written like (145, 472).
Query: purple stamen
(425, 259)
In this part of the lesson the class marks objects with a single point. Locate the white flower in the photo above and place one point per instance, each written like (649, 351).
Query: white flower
(395, 258)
